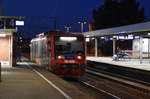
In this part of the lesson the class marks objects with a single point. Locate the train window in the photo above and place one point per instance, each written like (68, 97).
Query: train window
(65, 46)
(48, 42)
(49, 45)
(43, 49)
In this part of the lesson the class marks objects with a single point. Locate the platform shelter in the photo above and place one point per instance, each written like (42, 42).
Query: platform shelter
(133, 39)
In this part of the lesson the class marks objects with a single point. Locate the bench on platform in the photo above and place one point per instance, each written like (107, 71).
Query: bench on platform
(121, 56)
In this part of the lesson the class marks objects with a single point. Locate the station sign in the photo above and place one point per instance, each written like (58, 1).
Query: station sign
(19, 23)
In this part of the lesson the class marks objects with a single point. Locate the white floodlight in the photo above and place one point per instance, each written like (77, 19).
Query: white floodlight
(2, 35)
(121, 37)
(102, 37)
(111, 38)
(130, 37)
(137, 37)
(87, 39)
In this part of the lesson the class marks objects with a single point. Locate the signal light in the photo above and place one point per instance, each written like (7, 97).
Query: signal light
(79, 57)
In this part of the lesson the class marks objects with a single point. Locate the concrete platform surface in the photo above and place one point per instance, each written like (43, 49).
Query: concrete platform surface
(23, 83)
(131, 63)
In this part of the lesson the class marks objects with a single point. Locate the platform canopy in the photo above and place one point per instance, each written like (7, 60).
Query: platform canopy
(139, 28)
(13, 17)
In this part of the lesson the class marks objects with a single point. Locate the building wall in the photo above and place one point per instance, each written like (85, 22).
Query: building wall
(5, 47)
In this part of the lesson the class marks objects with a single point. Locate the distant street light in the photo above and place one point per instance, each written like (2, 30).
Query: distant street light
(81, 25)
(68, 28)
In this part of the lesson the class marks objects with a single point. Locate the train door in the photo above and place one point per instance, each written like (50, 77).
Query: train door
(49, 55)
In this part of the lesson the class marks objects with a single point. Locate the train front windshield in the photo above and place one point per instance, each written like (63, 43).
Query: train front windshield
(69, 45)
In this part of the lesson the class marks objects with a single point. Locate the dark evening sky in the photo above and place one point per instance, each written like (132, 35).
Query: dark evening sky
(68, 12)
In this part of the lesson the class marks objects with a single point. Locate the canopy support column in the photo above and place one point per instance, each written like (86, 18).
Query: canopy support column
(114, 46)
(148, 48)
(141, 49)
(96, 46)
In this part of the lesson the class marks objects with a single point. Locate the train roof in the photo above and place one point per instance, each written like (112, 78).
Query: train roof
(47, 34)
(65, 34)
(58, 34)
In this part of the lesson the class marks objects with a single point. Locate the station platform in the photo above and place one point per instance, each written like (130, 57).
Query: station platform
(130, 63)
(22, 82)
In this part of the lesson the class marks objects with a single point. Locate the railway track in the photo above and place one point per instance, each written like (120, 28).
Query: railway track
(136, 75)
(116, 86)
(141, 85)
(98, 85)
(127, 78)
(90, 90)
(112, 88)
(108, 87)
(101, 91)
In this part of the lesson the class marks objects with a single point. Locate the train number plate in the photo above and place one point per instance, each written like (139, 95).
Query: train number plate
(69, 61)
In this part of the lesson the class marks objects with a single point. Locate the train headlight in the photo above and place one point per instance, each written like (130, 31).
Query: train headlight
(79, 57)
(59, 57)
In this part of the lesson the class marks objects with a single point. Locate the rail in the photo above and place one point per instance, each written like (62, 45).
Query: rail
(134, 82)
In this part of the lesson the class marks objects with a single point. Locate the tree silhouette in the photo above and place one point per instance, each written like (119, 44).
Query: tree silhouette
(116, 13)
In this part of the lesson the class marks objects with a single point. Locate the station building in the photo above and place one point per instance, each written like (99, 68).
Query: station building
(8, 40)
(6, 48)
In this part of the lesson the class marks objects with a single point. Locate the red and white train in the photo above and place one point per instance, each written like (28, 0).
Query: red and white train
(62, 53)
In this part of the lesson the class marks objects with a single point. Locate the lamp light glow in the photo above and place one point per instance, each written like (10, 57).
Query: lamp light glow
(68, 38)
(2, 35)
(87, 39)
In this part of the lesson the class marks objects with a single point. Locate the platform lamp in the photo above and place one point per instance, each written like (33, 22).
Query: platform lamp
(81, 25)
(68, 28)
